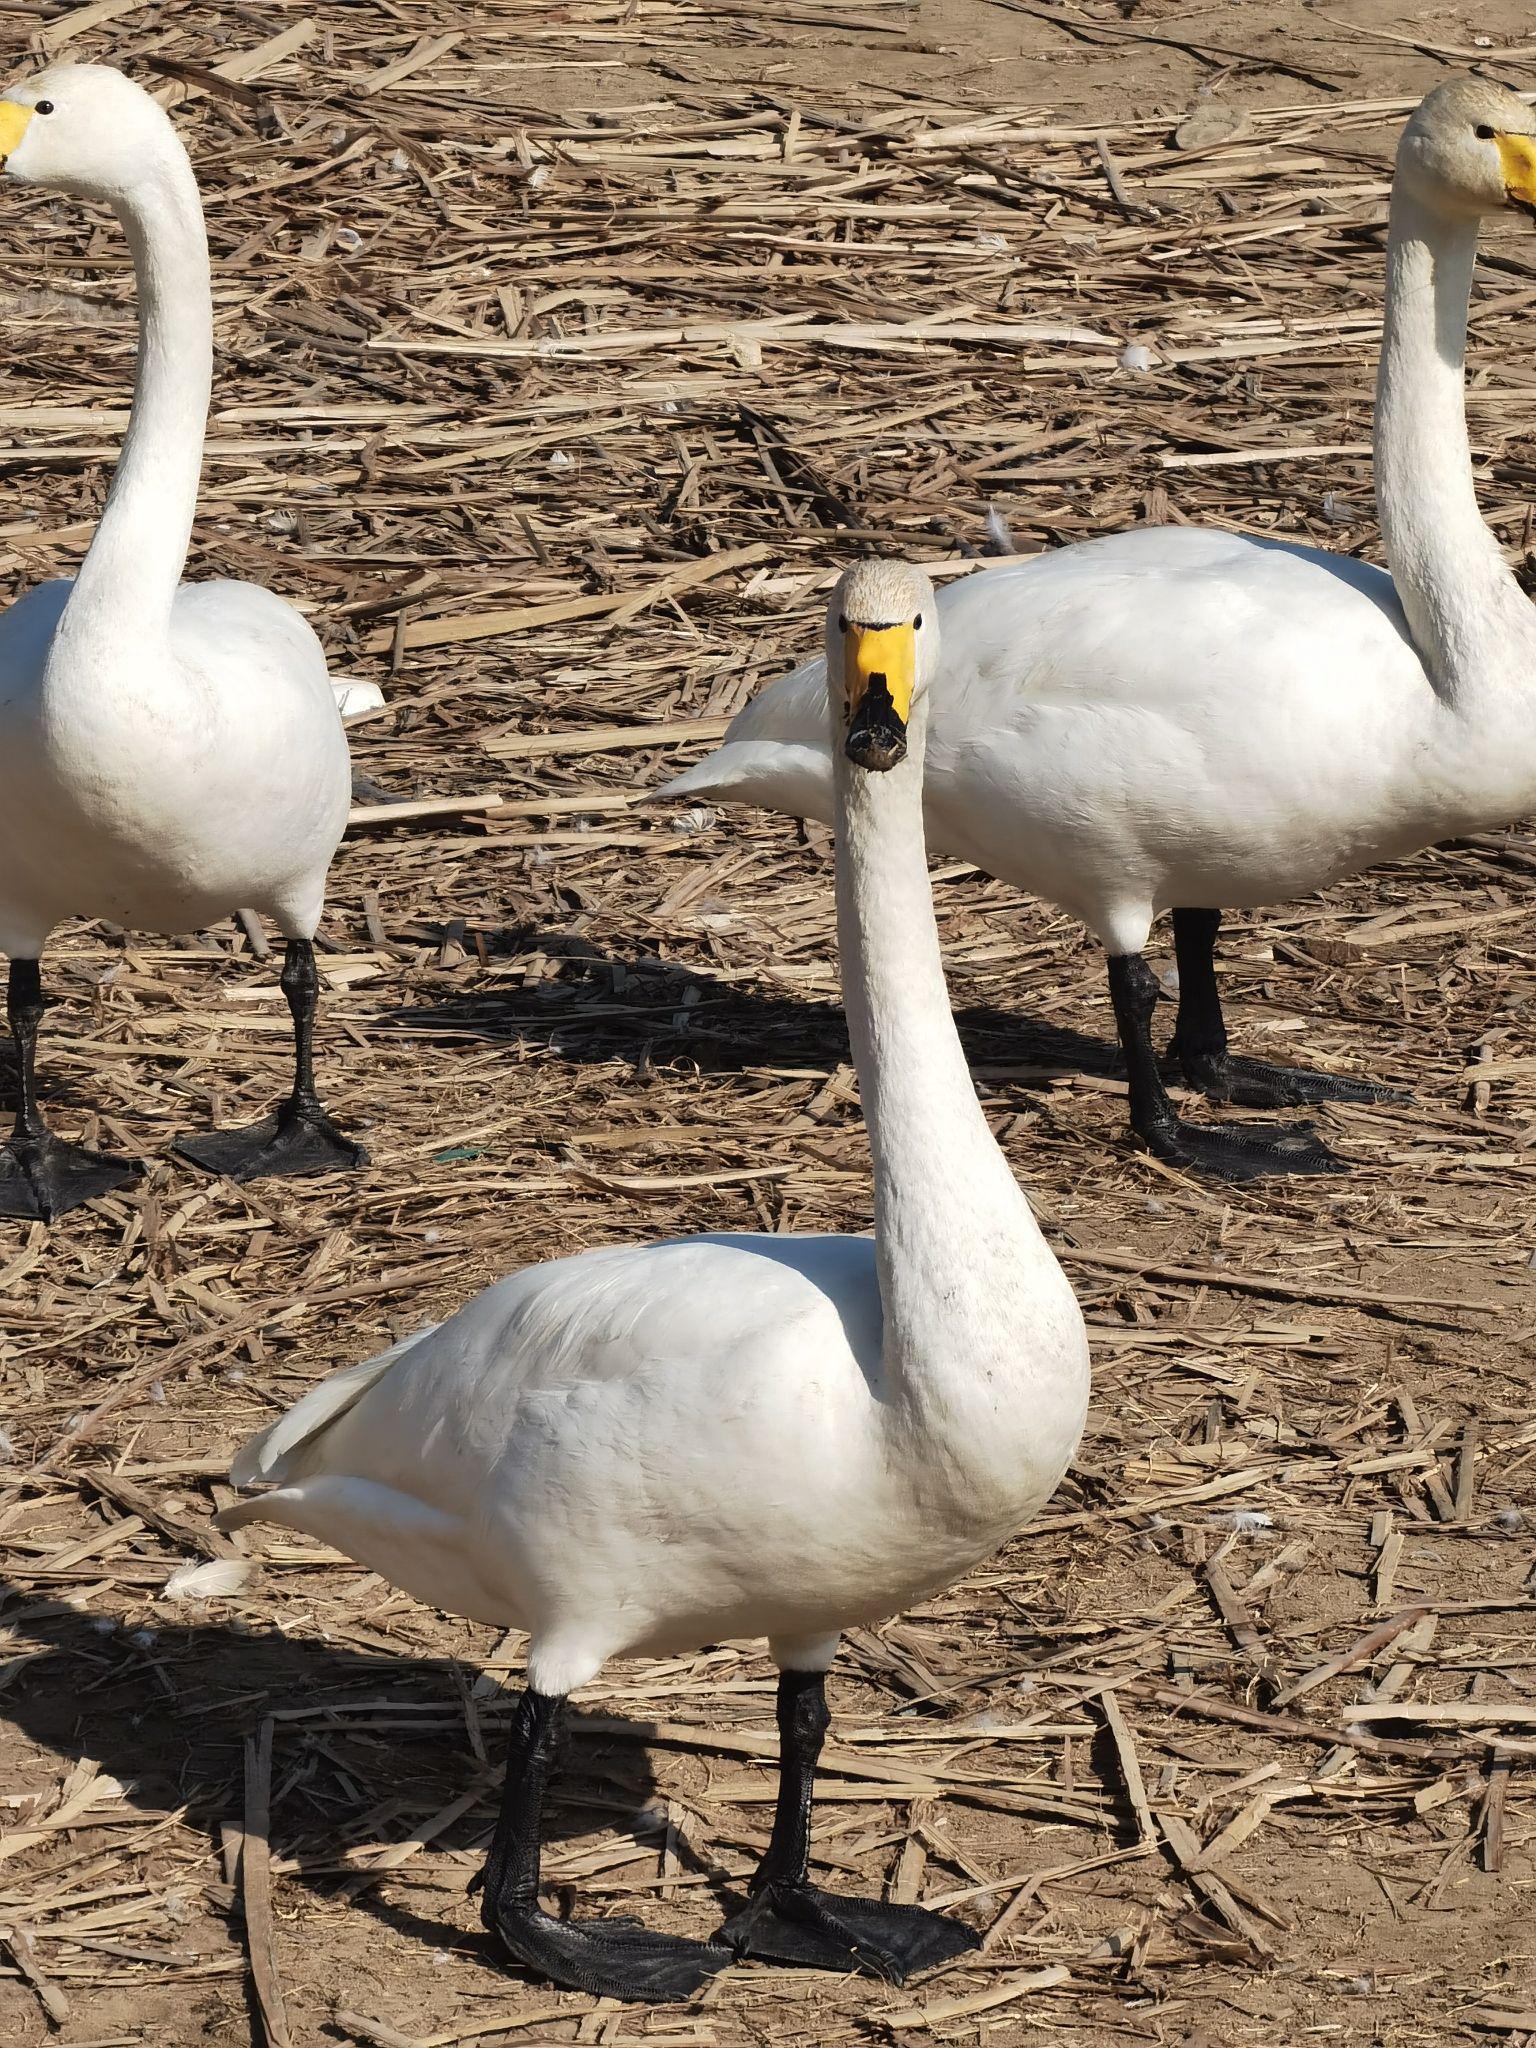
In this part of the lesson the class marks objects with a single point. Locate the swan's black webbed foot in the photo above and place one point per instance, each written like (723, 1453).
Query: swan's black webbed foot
(295, 1140)
(1232, 1152)
(1256, 1084)
(299, 1138)
(1199, 1041)
(790, 1920)
(42, 1176)
(786, 1922)
(606, 1958)
(1238, 1152)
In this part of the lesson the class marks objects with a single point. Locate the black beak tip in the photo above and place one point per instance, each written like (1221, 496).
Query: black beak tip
(877, 748)
(877, 738)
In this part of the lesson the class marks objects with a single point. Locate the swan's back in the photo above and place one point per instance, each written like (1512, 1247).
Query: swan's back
(236, 634)
(620, 1345)
(641, 1434)
(1158, 614)
(1160, 620)
(243, 634)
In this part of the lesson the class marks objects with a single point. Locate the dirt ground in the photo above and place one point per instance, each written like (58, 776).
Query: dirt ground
(565, 351)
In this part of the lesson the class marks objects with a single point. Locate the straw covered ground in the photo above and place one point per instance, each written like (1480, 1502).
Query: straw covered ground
(565, 351)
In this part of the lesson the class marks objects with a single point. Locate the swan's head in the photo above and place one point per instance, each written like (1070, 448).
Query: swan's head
(882, 651)
(1470, 148)
(83, 129)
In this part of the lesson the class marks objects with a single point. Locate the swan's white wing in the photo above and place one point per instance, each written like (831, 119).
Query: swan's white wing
(1163, 715)
(1140, 621)
(229, 630)
(688, 1322)
(1171, 619)
(278, 1451)
(548, 1455)
(265, 756)
(775, 752)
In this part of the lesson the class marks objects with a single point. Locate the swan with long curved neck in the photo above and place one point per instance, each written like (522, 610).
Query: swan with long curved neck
(648, 1449)
(169, 752)
(1173, 719)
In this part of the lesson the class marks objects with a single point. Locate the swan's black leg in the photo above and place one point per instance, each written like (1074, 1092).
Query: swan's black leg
(1236, 1152)
(40, 1175)
(608, 1958)
(299, 1137)
(1199, 1040)
(790, 1920)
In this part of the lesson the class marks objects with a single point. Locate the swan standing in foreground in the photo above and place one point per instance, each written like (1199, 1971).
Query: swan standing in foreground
(653, 1448)
(1186, 720)
(169, 752)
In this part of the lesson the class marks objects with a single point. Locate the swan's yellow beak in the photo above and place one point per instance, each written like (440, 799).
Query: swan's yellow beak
(1517, 160)
(879, 674)
(13, 125)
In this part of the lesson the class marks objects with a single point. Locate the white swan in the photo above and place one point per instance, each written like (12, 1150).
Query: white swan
(1177, 719)
(649, 1449)
(169, 752)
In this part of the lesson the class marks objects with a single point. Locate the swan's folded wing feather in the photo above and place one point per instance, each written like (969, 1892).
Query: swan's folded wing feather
(632, 1338)
(775, 751)
(247, 638)
(271, 1455)
(1175, 622)
(1161, 622)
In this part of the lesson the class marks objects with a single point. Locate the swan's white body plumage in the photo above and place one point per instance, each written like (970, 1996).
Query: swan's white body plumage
(1093, 739)
(169, 752)
(1171, 717)
(189, 781)
(652, 1448)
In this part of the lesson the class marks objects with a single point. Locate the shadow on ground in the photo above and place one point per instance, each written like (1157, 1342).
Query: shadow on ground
(167, 1711)
(606, 1007)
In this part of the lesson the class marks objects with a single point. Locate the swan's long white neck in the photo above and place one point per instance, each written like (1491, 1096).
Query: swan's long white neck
(955, 1238)
(131, 573)
(1462, 603)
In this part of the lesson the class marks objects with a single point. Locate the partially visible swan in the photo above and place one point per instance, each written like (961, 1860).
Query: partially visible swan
(648, 1449)
(1186, 720)
(169, 752)
(356, 700)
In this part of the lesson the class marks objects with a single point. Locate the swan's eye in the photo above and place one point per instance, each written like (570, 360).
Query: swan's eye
(1483, 132)
(917, 623)
(43, 107)
(842, 622)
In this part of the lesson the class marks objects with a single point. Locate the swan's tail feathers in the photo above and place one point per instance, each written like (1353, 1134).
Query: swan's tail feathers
(282, 1505)
(1000, 540)
(274, 1454)
(355, 700)
(796, 780)
(775, 751)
